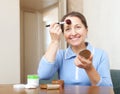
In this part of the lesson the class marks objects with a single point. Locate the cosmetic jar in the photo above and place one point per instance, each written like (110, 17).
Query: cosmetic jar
(33, 80)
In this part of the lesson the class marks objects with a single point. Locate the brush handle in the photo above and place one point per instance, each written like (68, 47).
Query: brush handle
(57, 23)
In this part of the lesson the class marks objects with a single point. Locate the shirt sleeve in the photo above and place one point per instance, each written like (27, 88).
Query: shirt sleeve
(104, 71)
(46, 69)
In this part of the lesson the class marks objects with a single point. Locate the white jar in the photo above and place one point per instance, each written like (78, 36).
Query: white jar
(33, 80)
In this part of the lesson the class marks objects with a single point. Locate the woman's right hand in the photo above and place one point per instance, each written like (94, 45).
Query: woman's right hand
(55, 32)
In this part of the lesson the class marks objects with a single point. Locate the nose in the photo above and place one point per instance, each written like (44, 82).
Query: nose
(74, 31)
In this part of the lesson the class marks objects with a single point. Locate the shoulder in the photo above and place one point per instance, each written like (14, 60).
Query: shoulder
(96, 51)
(100, 56)
(101, 53)
(60, 54)
(65, 51)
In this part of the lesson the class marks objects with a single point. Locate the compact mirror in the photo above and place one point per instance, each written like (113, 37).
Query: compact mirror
(85, 53)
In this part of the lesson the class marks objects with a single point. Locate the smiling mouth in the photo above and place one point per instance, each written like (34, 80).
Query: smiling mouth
(74, 38)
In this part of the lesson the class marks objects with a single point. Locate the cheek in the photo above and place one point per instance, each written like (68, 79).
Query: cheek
(66, 36)
(83, 33)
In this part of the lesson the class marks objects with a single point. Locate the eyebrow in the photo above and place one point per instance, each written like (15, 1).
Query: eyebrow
(78, 24)
(66, 26)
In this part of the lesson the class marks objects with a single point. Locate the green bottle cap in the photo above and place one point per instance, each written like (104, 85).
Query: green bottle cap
(32, 76)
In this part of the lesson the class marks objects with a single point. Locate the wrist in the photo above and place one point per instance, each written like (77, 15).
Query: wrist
(90, 68)
(56, 42)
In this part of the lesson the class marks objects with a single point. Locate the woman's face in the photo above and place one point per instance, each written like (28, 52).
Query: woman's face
(75, 33)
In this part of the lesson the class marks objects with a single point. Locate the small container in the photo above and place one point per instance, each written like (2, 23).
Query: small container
(60, 82)
(33, 80)
(85, 53)
(50, 86)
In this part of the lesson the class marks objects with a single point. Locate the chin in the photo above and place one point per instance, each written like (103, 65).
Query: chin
(75, 44)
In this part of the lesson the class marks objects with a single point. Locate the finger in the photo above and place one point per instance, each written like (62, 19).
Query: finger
(82, 59)
(91, 57)
(58, 29)
(54, 28)
(52, 25)
(80, 64)
(76, 61)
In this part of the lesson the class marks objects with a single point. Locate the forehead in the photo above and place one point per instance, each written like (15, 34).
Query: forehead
(74, 20)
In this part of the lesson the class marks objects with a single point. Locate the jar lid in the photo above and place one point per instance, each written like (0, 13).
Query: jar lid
(32, 76)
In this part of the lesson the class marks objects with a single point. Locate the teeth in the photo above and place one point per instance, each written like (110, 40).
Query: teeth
(74, 38)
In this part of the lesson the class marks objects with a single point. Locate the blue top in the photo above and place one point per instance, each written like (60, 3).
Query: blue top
(70, 73)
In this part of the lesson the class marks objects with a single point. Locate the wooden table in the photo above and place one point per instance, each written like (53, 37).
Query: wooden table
(68, 89)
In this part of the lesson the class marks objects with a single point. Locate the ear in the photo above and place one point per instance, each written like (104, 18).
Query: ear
(86, 31)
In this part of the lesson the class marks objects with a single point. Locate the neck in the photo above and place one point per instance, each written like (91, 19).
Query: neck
(77, 49)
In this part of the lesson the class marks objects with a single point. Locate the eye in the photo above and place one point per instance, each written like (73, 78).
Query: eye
(67, 29)
(78, 26)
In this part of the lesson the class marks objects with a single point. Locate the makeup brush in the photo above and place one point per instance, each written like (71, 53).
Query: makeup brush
(68, 21)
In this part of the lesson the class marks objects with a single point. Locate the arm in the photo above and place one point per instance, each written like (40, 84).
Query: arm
(55, 32)
(47, 66)
(104, 71)
(98, 72)
(51, 51)
(89, 68)
(93, 75)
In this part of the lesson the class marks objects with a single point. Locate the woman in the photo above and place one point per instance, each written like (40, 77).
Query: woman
(71, 67)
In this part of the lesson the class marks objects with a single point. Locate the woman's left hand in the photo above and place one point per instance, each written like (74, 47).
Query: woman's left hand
(86, 64)
(82, 62)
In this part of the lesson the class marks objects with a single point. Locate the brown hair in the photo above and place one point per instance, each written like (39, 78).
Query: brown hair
(75, 14)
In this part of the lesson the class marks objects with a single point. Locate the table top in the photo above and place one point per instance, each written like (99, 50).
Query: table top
(68, 89)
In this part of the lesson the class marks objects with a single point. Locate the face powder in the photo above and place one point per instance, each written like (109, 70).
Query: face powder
(85, 53)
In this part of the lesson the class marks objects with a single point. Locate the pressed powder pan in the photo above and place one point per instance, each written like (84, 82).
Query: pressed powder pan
(85, 53)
